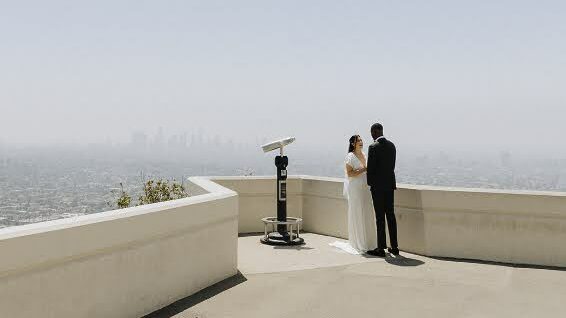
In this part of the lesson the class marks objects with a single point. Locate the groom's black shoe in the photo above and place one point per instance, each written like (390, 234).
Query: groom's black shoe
(377, 252)
(394, 251)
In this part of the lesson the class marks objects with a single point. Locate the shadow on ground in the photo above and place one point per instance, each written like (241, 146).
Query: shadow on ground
(475, 261)
(398, 260)
(195, 299)
(401, 260)
(292, 247)
(250, 234)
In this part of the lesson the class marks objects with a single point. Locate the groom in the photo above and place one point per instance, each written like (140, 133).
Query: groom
(381, 179)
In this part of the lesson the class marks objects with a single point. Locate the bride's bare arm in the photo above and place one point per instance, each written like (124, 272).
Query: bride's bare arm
(351, 172)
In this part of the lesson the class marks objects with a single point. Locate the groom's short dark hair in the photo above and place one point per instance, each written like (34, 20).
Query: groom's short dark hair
(377, 126)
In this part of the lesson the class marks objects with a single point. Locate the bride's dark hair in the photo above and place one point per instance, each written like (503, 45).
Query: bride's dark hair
(352, 145)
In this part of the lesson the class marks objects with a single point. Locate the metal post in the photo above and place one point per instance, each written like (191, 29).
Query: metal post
(281, 163)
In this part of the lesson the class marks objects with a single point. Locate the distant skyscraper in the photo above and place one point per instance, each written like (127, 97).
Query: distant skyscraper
(184, 140)
(174, 142)
(200, 137)
(561, 182)
(193, 140)
(505, 158)
(139, 141)
(159, 139)
(217, 140)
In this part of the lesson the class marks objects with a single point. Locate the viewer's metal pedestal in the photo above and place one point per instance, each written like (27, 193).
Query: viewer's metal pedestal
(274, 237)
(281, 226)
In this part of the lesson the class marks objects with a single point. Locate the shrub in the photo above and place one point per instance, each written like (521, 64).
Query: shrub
(153, 192)
(161, 190)
(125, 199)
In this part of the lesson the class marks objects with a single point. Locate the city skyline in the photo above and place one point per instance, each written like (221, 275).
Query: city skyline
(38, 185)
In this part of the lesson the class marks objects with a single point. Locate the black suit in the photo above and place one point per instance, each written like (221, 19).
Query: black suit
(381, 179)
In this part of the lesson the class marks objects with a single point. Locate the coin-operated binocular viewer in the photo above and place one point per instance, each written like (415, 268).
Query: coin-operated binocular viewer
(284, 234)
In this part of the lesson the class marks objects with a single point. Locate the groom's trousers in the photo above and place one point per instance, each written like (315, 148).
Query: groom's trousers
(384, 207)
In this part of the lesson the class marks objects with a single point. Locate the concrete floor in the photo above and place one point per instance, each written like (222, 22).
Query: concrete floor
(317, 280)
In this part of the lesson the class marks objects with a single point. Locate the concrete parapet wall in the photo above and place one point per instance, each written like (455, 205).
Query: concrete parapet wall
(515, 227)
(123, 263)
(257, 198)
(130, 262)
(523, 227)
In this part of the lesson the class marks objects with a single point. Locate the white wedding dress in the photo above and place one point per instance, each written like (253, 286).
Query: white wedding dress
(362, 233)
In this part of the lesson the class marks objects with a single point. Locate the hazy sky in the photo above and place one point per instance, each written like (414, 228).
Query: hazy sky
(461, 74)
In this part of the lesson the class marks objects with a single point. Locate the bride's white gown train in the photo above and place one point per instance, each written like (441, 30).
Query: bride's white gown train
(362, 233)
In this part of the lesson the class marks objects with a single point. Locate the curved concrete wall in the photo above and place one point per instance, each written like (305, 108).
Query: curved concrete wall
(123, 263)
(521, 227)
(257, 198)
(130, 262)
(515, 227)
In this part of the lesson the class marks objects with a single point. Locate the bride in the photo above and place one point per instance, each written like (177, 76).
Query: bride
(362, 233)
